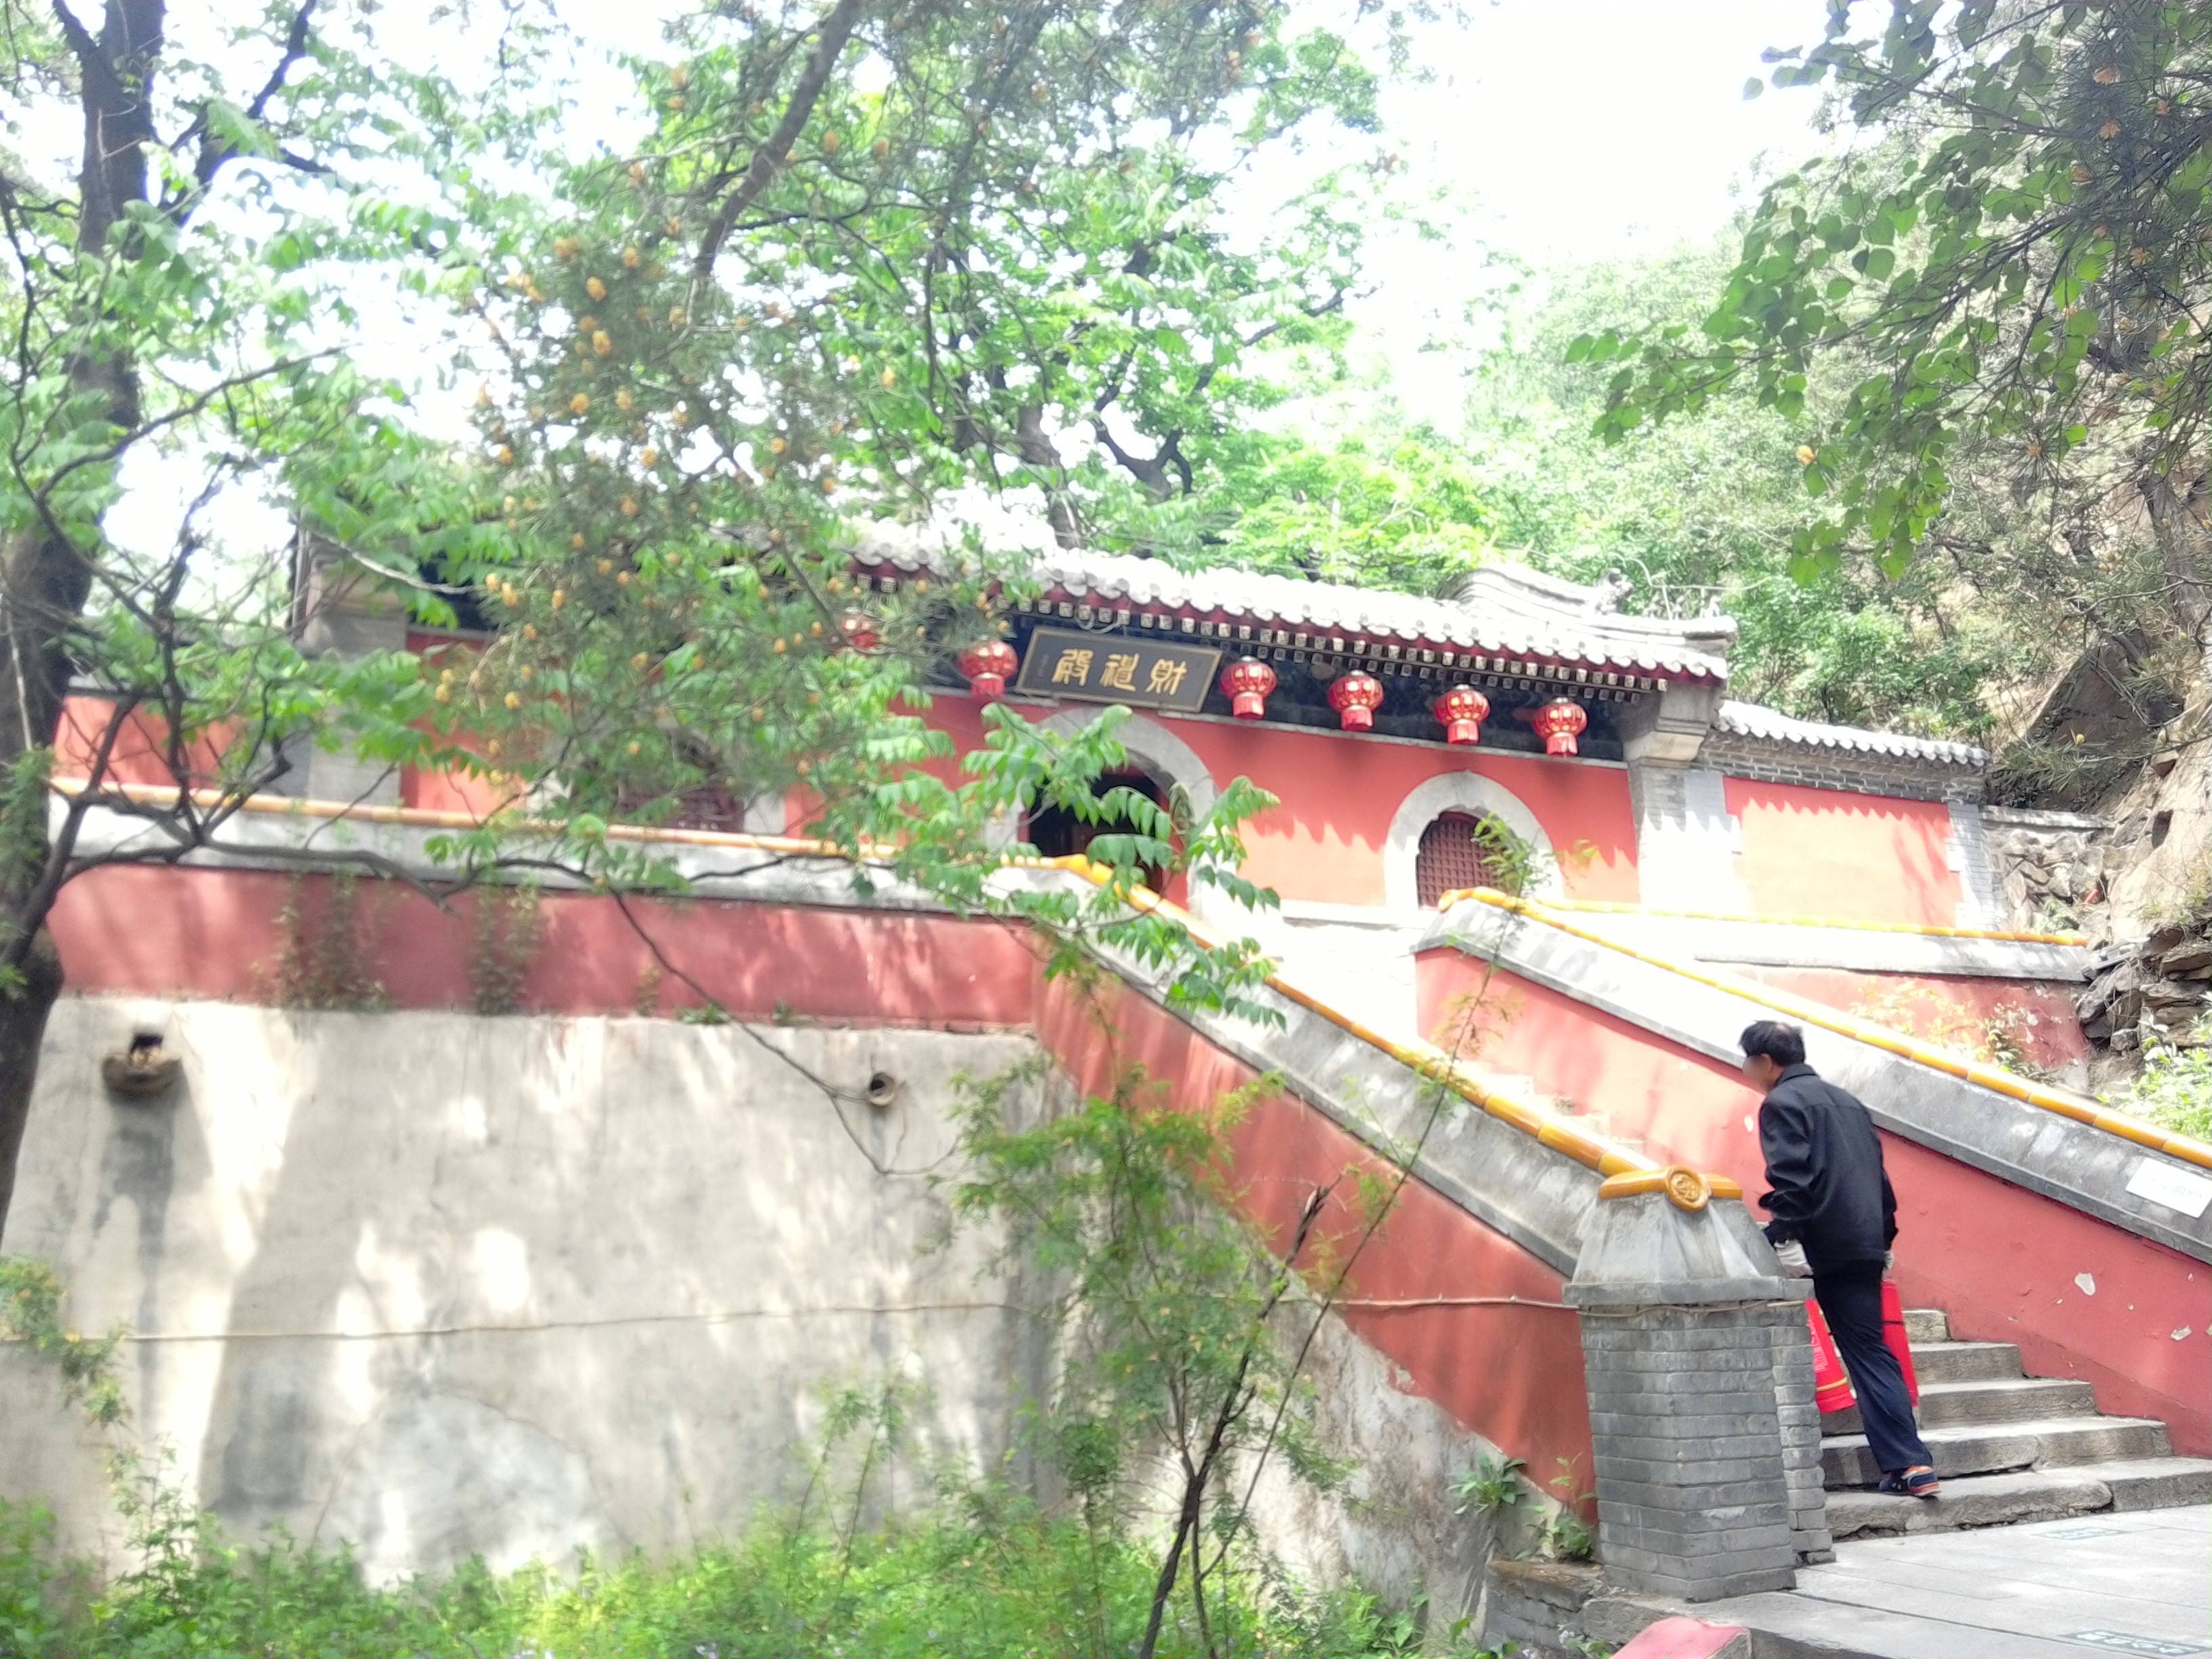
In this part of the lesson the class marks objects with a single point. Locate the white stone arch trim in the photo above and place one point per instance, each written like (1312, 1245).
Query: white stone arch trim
(1165, 757)
(1459, 791)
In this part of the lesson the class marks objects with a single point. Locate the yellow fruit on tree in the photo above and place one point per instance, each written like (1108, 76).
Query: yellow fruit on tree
(514, 701)
(632, 258)
(579, 403)
(596, 288)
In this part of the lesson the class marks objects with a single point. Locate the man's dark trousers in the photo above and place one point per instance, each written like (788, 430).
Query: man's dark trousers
(1851, 1297)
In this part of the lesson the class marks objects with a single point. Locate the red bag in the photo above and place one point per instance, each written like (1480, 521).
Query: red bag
(1832, 1383)
(1893, 1333)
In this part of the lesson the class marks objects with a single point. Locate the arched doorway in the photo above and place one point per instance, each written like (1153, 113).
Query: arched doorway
(1056, 833)
(1469, 796)
(1453, 854)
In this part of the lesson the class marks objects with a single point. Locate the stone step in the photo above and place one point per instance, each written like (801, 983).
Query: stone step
(1926, 1325)
(1964, 1362)
(2005, 1500)
(1987, 1400)
(1995, 1448)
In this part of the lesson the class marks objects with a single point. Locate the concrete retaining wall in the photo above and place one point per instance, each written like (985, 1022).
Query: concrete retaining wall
(511, 1286)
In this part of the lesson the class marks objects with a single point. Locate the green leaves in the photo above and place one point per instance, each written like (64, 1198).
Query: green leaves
(2017, 236)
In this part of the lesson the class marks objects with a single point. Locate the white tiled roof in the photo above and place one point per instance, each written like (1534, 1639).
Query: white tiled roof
(1749, 719)
(1508, 611)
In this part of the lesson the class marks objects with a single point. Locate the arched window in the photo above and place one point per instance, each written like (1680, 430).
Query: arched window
(1451, 858)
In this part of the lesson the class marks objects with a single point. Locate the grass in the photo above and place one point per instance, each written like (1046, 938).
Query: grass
(987, 1576)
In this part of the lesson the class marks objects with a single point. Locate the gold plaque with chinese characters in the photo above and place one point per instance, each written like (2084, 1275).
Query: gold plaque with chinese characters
(1109, 668)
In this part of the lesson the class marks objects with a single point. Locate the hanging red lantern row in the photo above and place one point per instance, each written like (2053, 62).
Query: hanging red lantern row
(1248, 684)
(859, 629)
(987, 667)
(1356, 696)
(1560, 722)
(1463, 709)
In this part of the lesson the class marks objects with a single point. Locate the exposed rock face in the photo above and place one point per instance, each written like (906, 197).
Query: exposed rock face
(2052, 867)
(2154, 990)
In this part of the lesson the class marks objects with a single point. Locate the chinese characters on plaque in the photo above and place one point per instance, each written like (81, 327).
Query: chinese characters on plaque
(1109, 668)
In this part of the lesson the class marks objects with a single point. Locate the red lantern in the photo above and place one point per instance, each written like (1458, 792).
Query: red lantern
(1356, 696)
(986, 666)
(1558, 722)
(1247, 683)
(860, 630)
(1463, 709)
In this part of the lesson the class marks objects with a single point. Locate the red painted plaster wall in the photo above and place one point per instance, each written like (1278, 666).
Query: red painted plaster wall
(2001, 1259)
(139, 754)
(1831, 853)
(1511, 1373)
(1326, 842)
(2039, 1019)
(129, 930)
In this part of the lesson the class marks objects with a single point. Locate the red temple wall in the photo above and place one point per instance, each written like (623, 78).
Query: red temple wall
(1803, 852)
(2001, 1259)
(2037, 1018)
(1843, 857)
(1428, 1251)
(1326, 842)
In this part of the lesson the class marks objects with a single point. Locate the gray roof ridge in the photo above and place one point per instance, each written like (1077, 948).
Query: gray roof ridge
(1547, 615)
(1752, 720)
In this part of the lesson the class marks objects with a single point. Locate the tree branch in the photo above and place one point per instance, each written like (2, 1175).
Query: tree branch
(829, 41)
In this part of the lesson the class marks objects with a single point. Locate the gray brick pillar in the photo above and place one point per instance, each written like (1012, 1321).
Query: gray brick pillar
(1800, 1418)
(1690, 1340)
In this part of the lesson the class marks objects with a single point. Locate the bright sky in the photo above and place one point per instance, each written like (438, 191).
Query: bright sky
(1566, 130)
(1581, 129)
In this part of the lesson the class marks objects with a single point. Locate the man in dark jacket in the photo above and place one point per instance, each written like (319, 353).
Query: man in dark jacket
(1832, 1195)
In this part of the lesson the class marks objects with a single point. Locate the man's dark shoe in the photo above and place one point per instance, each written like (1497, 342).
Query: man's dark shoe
(1919, 1482)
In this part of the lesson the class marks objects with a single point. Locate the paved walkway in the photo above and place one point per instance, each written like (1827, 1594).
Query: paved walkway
(2139, 1582)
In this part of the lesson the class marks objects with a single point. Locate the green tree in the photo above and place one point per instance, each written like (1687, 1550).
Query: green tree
(1699, 514)
(852, 256)
(173, 299)
(1394, 509)
(2015, 257)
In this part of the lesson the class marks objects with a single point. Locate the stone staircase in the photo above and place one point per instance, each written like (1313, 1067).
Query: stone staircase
(2011, 1448)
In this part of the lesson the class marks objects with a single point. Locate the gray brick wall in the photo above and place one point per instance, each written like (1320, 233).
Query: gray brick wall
(1701, 1481)
(1800, 1418)
(1836, 768)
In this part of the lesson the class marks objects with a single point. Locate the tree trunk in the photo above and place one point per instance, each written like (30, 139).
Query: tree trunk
(47, 579)
(23, 1024)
